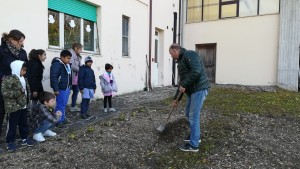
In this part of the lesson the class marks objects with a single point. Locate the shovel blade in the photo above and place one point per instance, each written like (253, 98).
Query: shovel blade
(161, 128)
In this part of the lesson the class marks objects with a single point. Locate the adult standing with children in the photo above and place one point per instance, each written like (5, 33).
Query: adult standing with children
(11, 49)
(194, 83)
(75, 64)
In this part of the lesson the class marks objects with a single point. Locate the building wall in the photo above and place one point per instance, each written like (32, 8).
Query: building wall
(163, 20)
(247, 48)
(288, 63)
(130, 71)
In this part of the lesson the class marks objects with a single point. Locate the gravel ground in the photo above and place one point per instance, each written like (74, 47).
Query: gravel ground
(128, 139)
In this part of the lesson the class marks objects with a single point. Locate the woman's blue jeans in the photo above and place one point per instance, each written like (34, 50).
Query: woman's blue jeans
(193, 108)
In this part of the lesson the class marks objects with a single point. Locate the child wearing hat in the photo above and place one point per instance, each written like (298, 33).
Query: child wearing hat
(87, 86)
(108, 86)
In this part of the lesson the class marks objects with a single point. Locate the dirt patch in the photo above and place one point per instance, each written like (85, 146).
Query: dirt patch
(129, 139)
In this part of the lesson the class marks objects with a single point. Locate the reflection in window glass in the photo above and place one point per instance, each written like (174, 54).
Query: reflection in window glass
(88, 39)
(194, 11)
(53, 28)
(71, 31)
(211, 10)
(248, 8)
(125, 24)
(268, 6)
(229, 11)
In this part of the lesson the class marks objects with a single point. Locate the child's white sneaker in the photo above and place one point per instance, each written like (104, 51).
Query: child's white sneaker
(105, 110)
(38, 137)
(49, 133)
(112, 109)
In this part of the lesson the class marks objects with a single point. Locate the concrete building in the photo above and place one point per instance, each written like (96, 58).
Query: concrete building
(247, 42)
(121, 32)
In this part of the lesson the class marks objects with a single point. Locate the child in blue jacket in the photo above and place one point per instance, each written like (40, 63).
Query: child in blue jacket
(61, 82)
(87, 86)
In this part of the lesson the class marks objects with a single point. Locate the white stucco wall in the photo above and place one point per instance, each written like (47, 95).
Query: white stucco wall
(247, 48)
(163, 21)
(130, 71)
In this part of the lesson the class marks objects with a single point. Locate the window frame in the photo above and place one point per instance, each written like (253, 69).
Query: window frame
(232, 2)
(223, 3)
(62, 34)
(126, 54)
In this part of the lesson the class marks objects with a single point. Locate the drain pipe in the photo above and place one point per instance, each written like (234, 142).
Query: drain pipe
(179, 23)
(174, 41)
(150, 44)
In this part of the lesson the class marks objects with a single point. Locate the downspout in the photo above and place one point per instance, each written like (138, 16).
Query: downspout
(150, 45)
(174, 41)
(179, 23)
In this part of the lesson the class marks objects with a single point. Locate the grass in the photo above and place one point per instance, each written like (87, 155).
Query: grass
(230, 102)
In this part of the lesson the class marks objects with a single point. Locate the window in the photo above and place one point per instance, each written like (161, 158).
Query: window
(207, 10)
(71, 21)
(229, 8)
(268, 6)
(125, 38)
(211, 10)
(248, 8)
(194, 10)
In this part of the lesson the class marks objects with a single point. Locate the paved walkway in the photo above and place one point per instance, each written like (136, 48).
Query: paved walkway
(122, 103)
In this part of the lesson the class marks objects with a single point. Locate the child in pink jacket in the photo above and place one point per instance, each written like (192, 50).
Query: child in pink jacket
(108, 87)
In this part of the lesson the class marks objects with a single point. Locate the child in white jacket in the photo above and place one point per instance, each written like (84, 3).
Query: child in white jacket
(108, 87)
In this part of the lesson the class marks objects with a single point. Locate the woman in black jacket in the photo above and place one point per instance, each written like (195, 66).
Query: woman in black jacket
(11, 49)
(35, 70)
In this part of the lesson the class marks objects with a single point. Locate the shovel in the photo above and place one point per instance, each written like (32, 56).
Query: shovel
(162, 127)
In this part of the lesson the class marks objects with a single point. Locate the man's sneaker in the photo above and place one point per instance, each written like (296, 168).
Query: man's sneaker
(112, 109)
(49, 133)
(83, 116)
(11, 147)
(27, 142)
(74, 109)
(187, 139)
(188, 147)
(66, 121)
(38, 137)
(105, 110)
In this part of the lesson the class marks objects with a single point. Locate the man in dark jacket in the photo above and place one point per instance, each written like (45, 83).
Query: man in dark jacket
(11, 49)
(194, 83)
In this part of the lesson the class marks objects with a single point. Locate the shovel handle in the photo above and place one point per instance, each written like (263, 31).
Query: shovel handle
(177, 99)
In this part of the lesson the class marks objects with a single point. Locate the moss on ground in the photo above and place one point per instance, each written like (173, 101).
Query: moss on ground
(229, 103)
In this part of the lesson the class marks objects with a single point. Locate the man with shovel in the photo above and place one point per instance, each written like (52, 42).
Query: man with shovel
(194, 83)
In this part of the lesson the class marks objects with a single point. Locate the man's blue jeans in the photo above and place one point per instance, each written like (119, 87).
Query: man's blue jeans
(44, 126)
(61, 103)
(193, 107)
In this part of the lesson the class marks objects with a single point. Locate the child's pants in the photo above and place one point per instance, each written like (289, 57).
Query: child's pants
(85, 105)
(44, 126)
(61, 103)
(17, 118)
(107, 98)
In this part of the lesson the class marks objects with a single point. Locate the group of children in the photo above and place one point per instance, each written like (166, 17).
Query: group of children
(47, 109)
